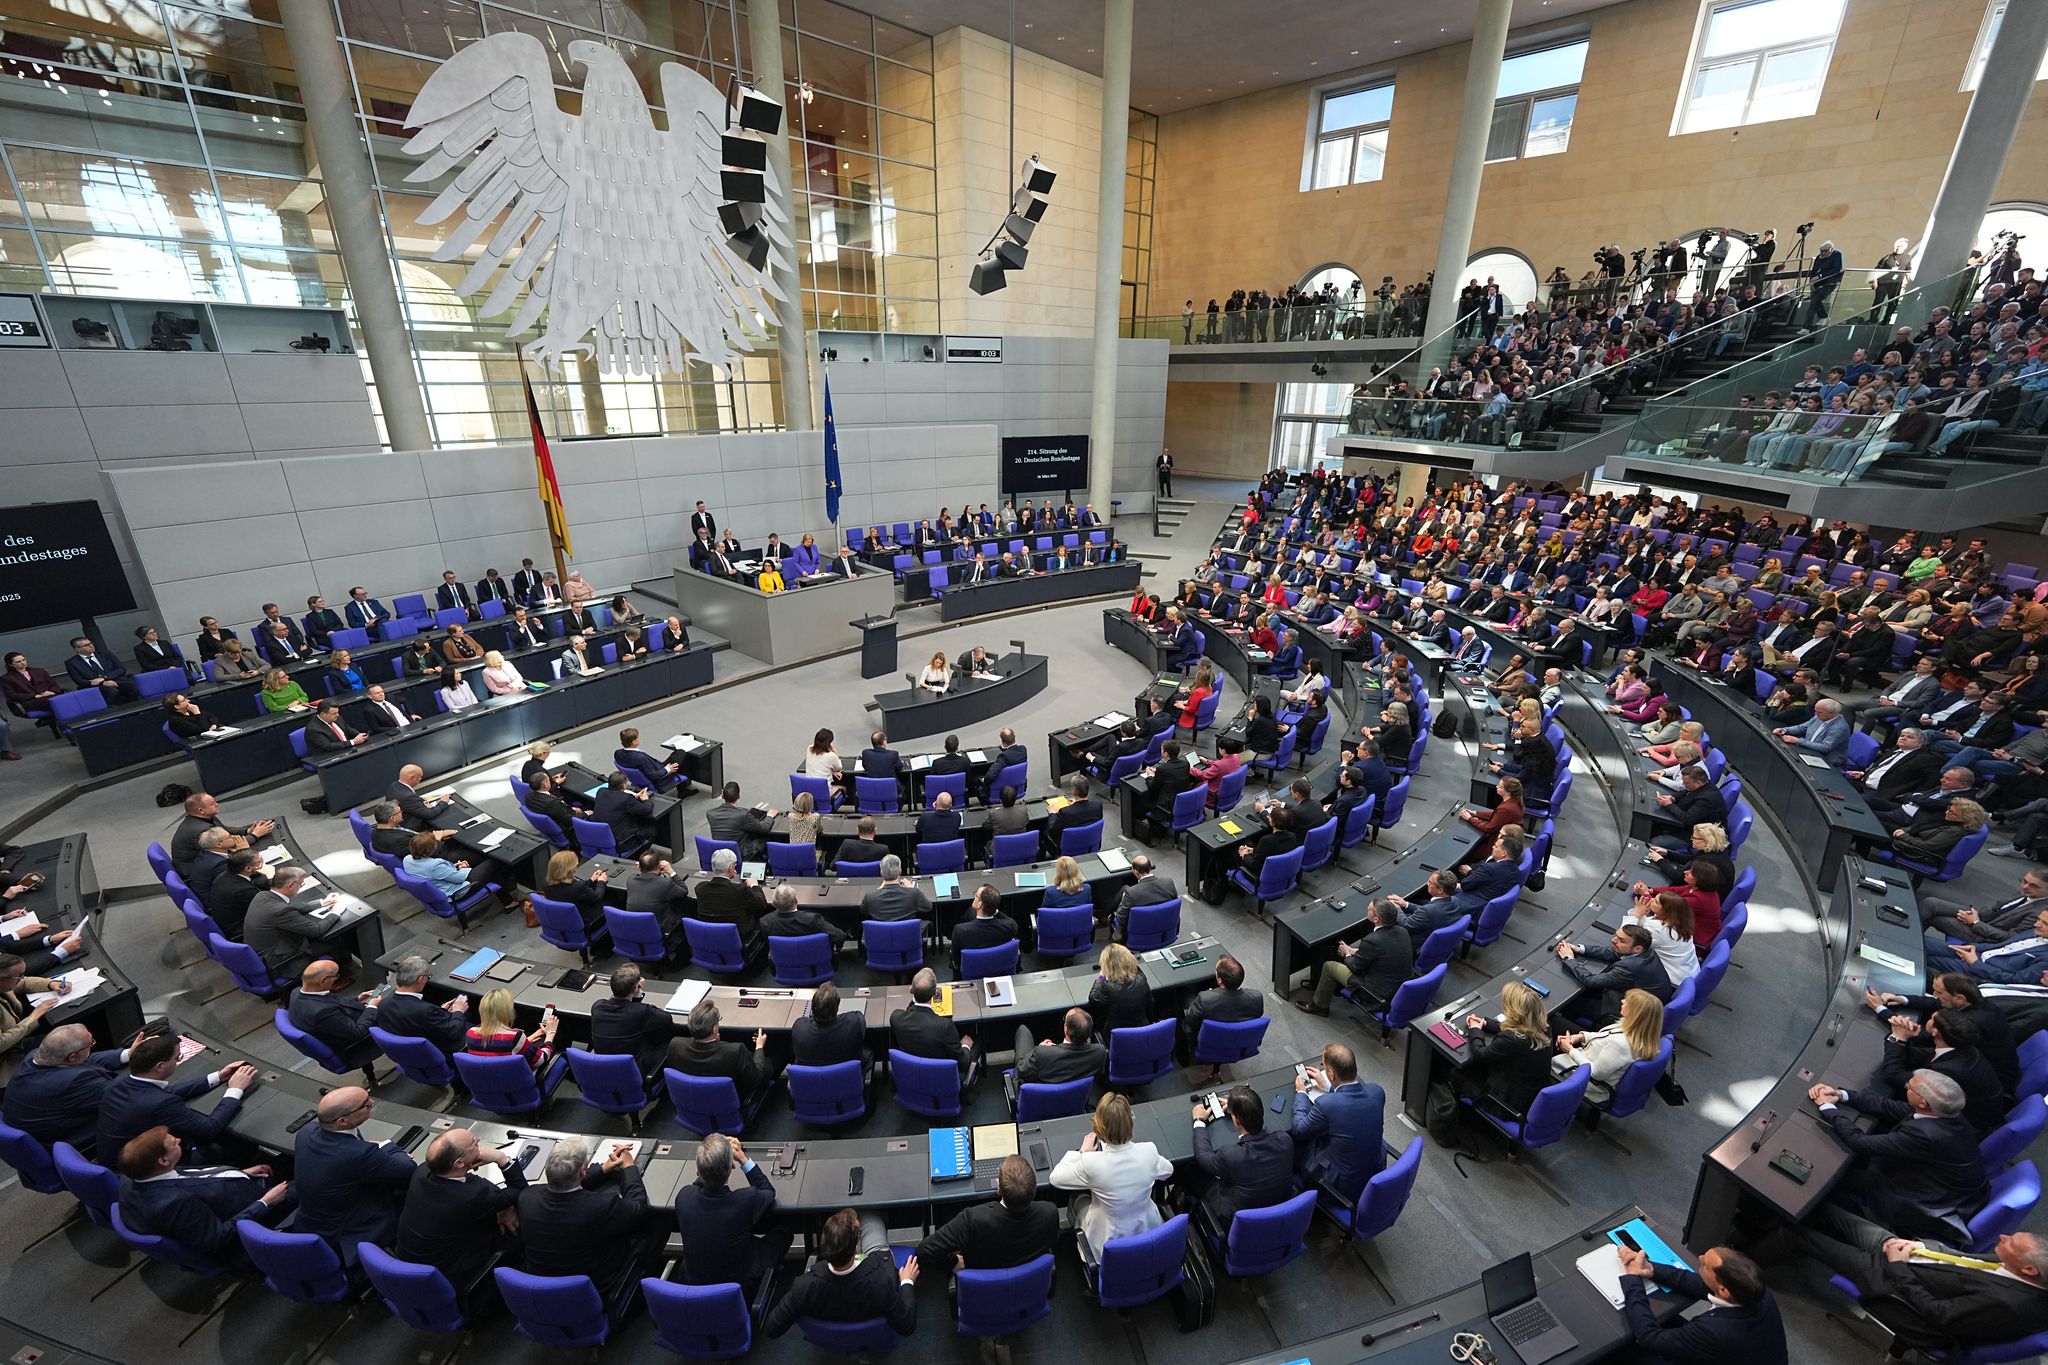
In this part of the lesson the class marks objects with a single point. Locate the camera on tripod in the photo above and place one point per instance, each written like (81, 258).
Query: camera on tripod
(169, 332)
(1386, 289)
(1805, 228)
(312, 342)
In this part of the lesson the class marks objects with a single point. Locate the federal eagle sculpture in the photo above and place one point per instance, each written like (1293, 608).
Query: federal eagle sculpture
(603, 230)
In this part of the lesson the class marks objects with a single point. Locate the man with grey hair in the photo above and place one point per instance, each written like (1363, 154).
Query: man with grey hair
(720, 1241)
(405, 1010)
(1908, 765)
(215, 844)
(785, 920)
(283, 929)
(388, 833)
(1826, 736)
(55, 1097)
(457, 1221)
(898, 897)
(705, 1053)
(588, 1219)
(1920, 1163)
(724, 898)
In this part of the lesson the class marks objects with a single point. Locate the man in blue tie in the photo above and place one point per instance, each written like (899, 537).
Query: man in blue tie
(365, 611)
(90, 668)
(1826, 735)
(1337, 1125)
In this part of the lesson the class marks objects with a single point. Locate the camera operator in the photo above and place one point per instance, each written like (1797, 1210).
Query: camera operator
(1385, 298)
(1761, 249)
(1613, 266)
(2004, 260)
(1669, 265)
(1560, 283)
(1713, 255)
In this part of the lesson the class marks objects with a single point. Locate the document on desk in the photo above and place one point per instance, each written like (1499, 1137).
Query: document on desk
(274, 855)
(1814, 761)
(687, 995)
(22, 928)
(1602, 1265)
(476, 819)
(83, 981)
(220, 732)
(976, 756)
(1112, 720)
(920, 763)
(1115, 859)
(1889, 961)
(686, 742)
(998, 992)
(494, 838)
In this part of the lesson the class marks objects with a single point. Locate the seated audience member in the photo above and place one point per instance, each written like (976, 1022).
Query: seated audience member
(1113, 1177)
(1743, 1325)
(1073, 1056)
(1119, 997)
(1918, 1166)
(1253, 1168)
(1017, 1228)
(497, 1034)
(339, 1021)
(917, 1030)
(587, 1219)
(404, 1009)
(197, 1208)
(705, 1052)
(726, 898)
(457, 1221)
(380, 715)
(786, 919)
(648, 770)
(1635, 1037)
(897, 898)
(454, 693)
(350, 1190)
(90, 668)
(543, 800)
(234, 889)
(280, 693)
(146, 1096)
(55, 1096)
(823, 1036)
(502, 678)
(624, 1023)
(724, 1241)
(1627, 962)
(1229, 1001)
(853, 1279)
(1337, 1125)
(281, 924)
(186, 718)
(629, 814)
(342, 675)
(325, 734)
(1510, 1057)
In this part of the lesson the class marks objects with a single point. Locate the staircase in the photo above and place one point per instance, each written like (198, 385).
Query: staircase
(1622, 410)
(1169, 513)
(1977, 457)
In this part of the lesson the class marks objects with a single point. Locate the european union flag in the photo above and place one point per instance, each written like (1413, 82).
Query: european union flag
(831, 459)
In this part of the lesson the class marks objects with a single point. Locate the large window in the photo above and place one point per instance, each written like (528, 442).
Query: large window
(1535, 100)
(1508, 269)
(1974, 73)
(1757, 61)
(1350, 145)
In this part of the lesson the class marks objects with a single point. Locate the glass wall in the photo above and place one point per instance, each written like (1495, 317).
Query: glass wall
(158, 148)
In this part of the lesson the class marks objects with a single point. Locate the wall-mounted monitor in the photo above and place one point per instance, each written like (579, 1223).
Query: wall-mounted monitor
(58, 563)
(1032, 465)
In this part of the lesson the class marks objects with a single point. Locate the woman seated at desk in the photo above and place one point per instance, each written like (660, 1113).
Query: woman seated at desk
(937, 675)
(624, 611)
(343, 675)
(1611, 1050)
(501, 679)
(770, 576)
(280, 693)
(1119, 997)
(1510, 1060)
(454, 694)
(1068, 886)
(232, 662)
(587, 896)
(496, 1035)
(185, 717)
(822, 759)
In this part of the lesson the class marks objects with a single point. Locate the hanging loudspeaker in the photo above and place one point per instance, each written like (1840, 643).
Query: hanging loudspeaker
(987, 278)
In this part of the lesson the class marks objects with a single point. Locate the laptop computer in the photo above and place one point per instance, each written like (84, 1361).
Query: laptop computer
(1519, 1313)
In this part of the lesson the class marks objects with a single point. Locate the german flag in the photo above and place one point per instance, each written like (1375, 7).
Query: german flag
(544, 472)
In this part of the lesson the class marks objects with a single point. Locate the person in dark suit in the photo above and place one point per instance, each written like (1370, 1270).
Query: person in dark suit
(146, 1097)
(941, 823)
(1909, 764)
(349, 1188)
(723, 898)
(1435, 906)
(1170, 778)
(234, 888)
(325, 734)
(1958, 994)
(196, 1206)
(363, 611)
(88, 667)
(702, 520)
(1509, 1057)
(747, 826)
(897, 898)
(543, 801)
(1280, 837)
(1337, 1125)
(1376, 965)
(656, 890)
(522, 631)
(526, 582)
(1496, 875)
(1946, 1043)
(153, 652)
(648, 770)
(705, 1053)
(853, 1279)
(404, 1009)
(340, 1021)
(378, 714)
(388, 834)
(629, 813)
(1017, 1228)
(1157, 719)
(1931, 1305)
(915, 1029)
(214, 847)
(1699, 803)
(823, 1036)
(1149, 886)
(785, 920)
(587, 1219)
(454, 1219)
(492, 588)
(1254, 1171)
(1128, 742)
(989, 927)
(1074, 1056)
(321, 621)
(1921, 1162)
(624, 1023)
(721, 1244)
(1080, 811)
(1742, 1326)
(343, 674)
(878, 759)
(1611, 970)
(861, 848)
(420, 814)
(56, 1095)
(279, 643)
(1229, 1001)
(1009, 753)
(454, 593)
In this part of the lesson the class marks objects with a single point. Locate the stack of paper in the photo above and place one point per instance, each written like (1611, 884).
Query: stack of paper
(83, 981)
(685, 741)
(22, 928)
(687, 995)
(998, 992)
(274, 855)
(495, 837)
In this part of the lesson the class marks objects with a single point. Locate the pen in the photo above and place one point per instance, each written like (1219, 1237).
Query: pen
(1370, 1337)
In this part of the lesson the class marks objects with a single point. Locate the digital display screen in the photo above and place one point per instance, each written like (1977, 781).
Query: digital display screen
(1044, 464)
(58, 563)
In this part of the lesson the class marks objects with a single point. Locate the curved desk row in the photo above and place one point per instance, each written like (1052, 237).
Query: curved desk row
(443, 743)
(912, 712)
(1039, 589)
(1136, 638)
(69, 898)
(132, 732)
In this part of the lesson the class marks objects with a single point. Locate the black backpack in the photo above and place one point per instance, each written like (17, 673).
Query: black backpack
(1445, 726)
(173, 794)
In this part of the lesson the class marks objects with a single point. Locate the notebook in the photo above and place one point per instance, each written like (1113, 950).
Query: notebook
(1115, 859)
(1030, 879)
(945, 885)
(998, 992)
(476, 964)
(942, 1003)
(951, 1152)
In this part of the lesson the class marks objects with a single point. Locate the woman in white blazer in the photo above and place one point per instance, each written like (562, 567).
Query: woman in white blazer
(1115, 1176)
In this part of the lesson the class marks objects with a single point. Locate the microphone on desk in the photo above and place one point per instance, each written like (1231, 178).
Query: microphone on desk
(1763, 1126)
